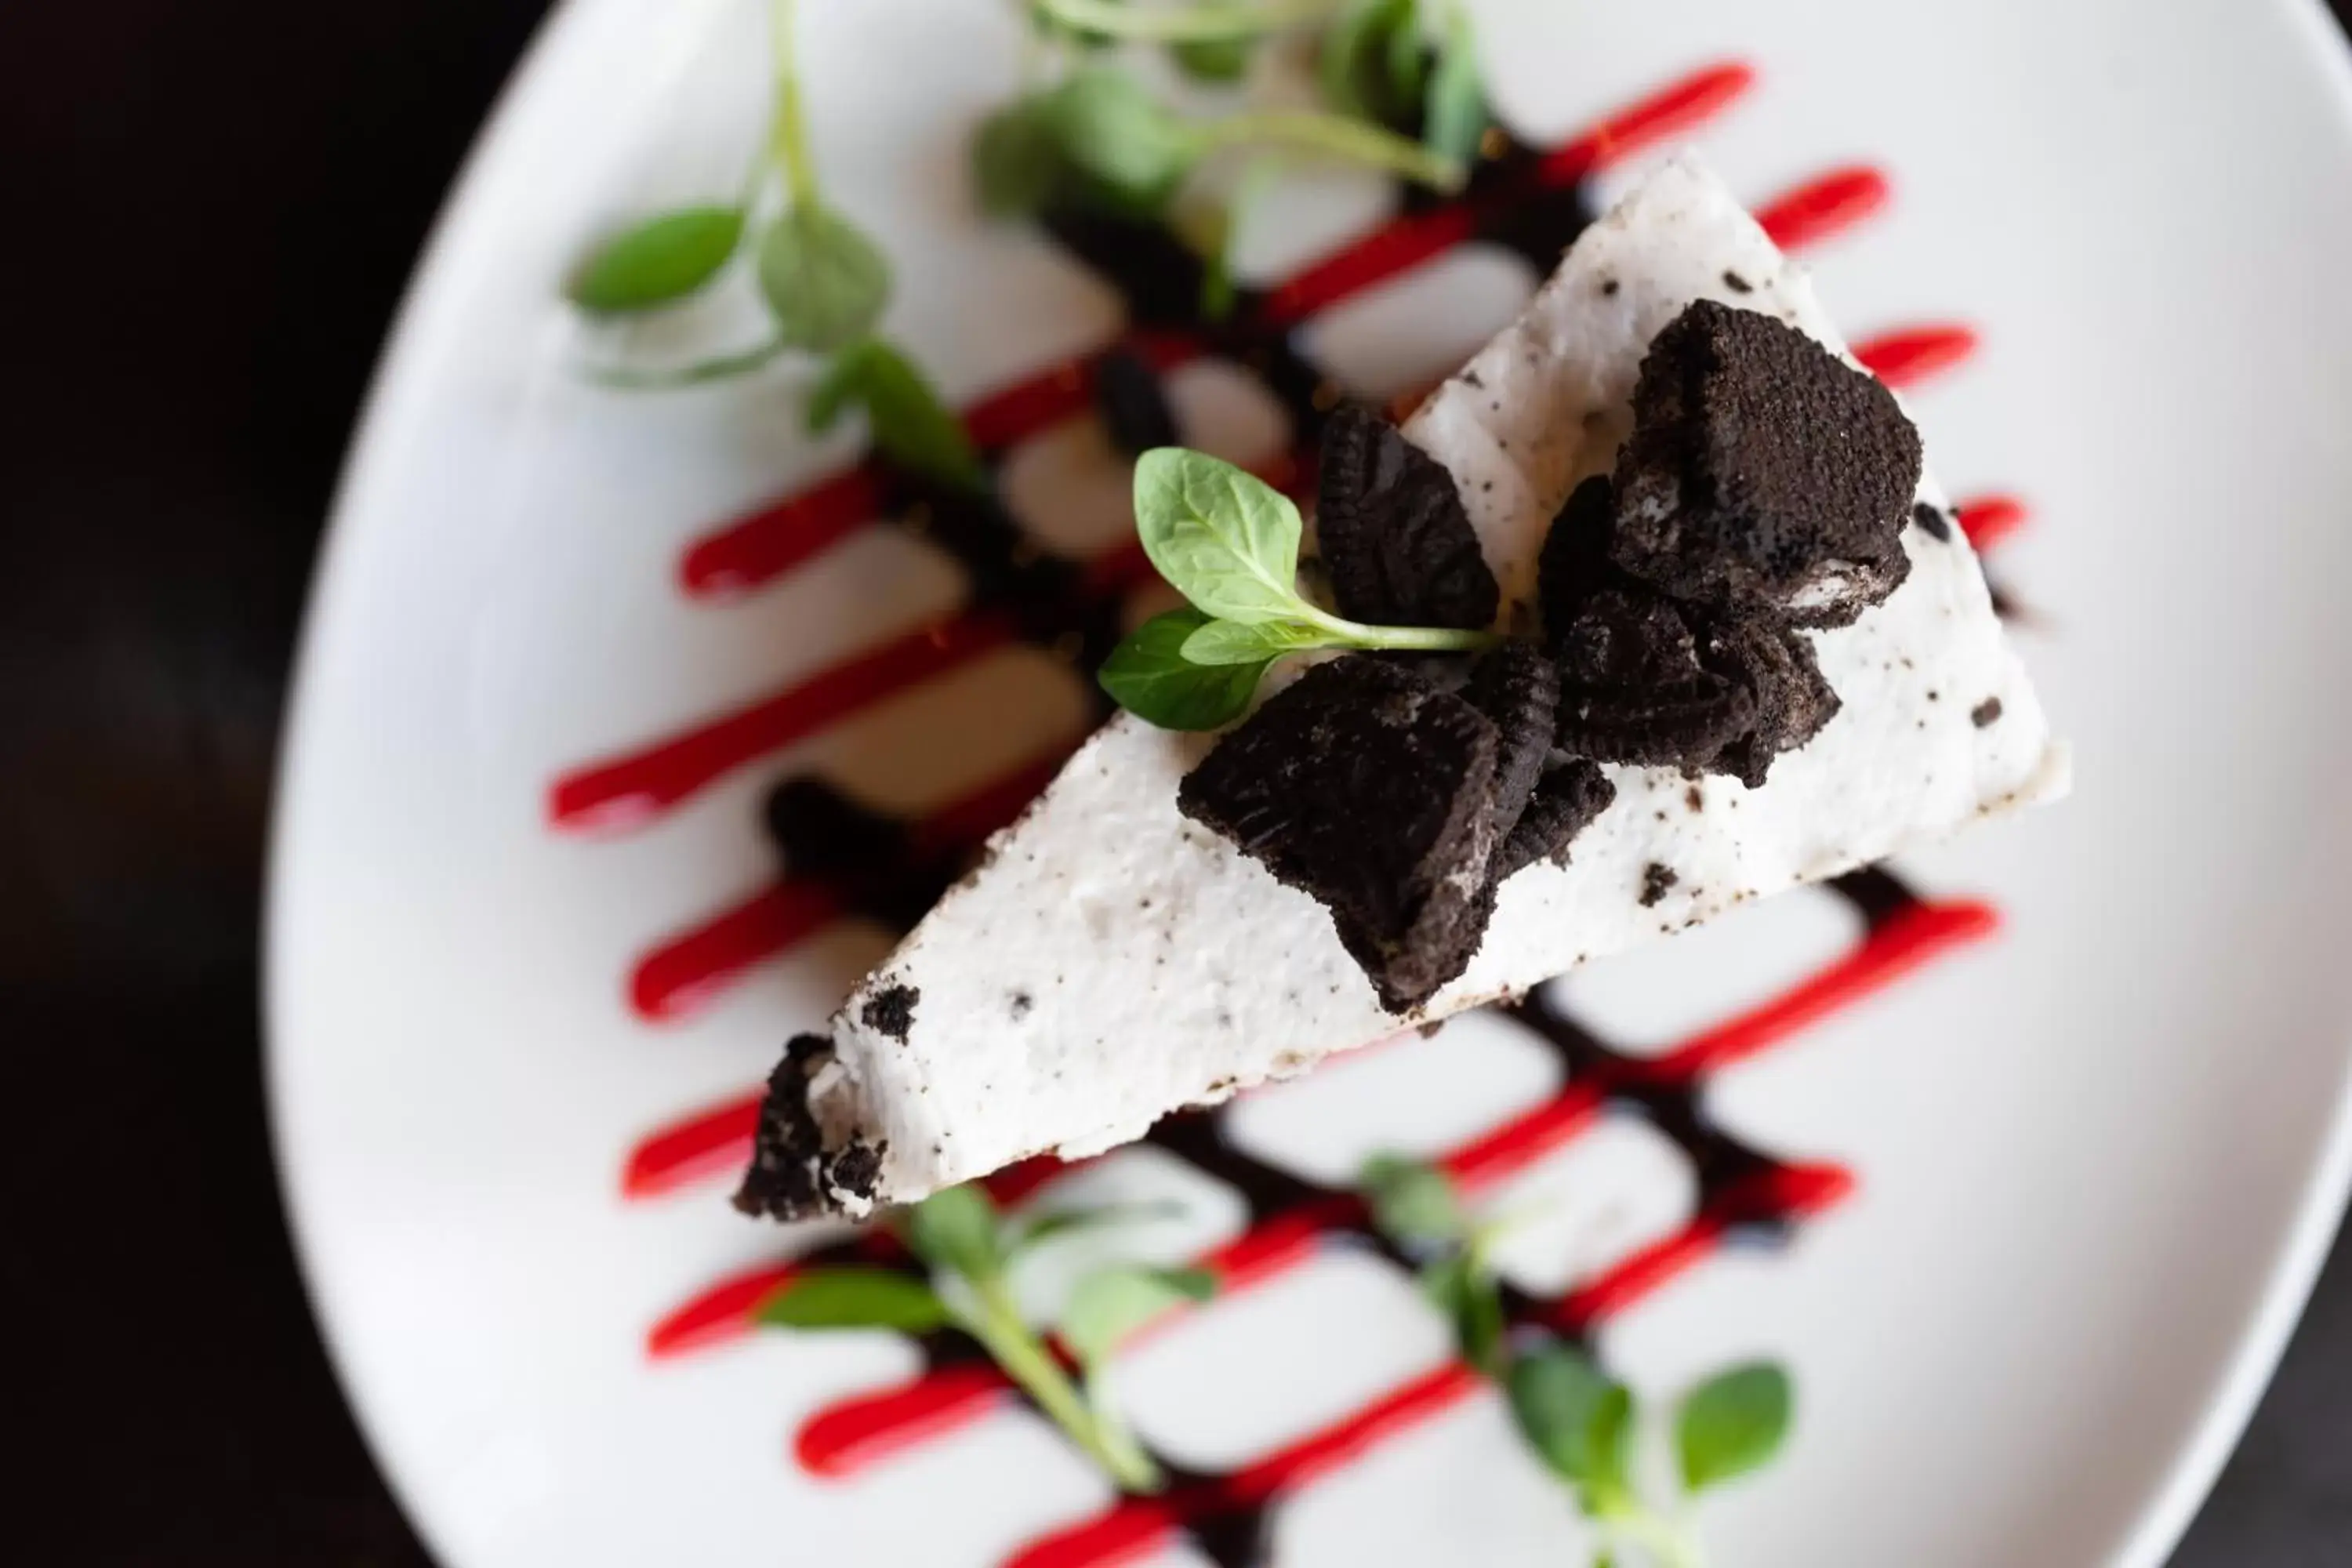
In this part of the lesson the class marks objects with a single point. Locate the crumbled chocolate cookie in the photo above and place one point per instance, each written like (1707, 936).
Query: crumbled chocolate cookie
(1366, 787)
(792, 1174)
(1932, 522)
(1763, 473)
(1986, 714)
(1777, 667)
(891, 1011)
(1657, 882)
(1393, 533)
(1574, 564)
(1632, 688)
(1518, 688)
(1565, 802)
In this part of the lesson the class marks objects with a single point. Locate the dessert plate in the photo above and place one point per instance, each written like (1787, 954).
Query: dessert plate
(2048, 1128)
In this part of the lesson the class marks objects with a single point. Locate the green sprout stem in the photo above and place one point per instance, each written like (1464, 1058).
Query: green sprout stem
(997, 1324)
(1668, 1543)
(628, 378)
(1397, 639)
(1334, 136)
(1218, 21)
(788, 138)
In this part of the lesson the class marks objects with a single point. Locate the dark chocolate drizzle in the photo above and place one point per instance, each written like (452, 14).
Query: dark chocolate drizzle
(874, 862)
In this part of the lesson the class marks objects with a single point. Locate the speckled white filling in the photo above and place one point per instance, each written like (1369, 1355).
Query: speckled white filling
(1113, 962)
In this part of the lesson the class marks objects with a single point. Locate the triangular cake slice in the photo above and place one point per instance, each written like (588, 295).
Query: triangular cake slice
(1112, 961)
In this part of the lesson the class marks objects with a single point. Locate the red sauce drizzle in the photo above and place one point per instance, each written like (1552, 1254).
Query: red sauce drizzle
(629, 790)
(1823, 208)
(677, 977)
(707, 1145)
(674, 979)
(1905, 359)
(1989, 519)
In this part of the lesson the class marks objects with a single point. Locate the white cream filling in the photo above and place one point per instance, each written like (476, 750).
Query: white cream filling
(1113, 962)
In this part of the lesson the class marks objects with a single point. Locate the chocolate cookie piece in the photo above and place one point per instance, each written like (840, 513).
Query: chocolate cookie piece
(1763, 473)
(1393, 532)
(1776, 666)
(1632, 688)
(1565, 802)
(1575, 563)
(1518, 688)
(792, 1174)
(1366, 786)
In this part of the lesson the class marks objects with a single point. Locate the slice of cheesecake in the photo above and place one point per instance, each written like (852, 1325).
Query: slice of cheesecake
(1115, 959)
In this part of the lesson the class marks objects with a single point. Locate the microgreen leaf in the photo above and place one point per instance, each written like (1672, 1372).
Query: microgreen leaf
(1413, 1202)
(1732, 1424)
(1457, 1285)
(854, 1298)
(1212, 59)
(1407, 61)
(1049, 25)
(1455, 115)
(1150, 677)
(1031, 1230)
(1222, 537)
(1355, 69)
(1578, 1420)
(912, 426)
(825, 281)
(955, 1229)
(1017, 159)
(1110, 127)
(658, 262)
(1231, 642)
(1112, 1303)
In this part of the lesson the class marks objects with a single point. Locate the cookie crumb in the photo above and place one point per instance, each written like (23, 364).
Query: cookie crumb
(1657, 880)
(1986, 713)
(891, 1011)
(1736, 283)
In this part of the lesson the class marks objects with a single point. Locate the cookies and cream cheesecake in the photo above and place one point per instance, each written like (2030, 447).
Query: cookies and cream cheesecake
(1729, 641)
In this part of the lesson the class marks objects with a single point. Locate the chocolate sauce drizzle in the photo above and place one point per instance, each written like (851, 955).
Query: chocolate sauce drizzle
(824, 833)
(1235, 1531)
(878, 867)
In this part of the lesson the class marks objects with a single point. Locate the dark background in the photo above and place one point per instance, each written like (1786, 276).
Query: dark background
(213, 211)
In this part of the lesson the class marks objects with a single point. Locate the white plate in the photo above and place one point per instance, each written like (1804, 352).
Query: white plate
(2098, 1158)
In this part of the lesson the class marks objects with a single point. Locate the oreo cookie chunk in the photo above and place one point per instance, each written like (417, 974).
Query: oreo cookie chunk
(1574, 564)
(1518, 688)
(1368, 787)
(1775, 666)
(1764, 474)
(1632, 688)
(1565, 802)
(1393, 533)
(792, 1173)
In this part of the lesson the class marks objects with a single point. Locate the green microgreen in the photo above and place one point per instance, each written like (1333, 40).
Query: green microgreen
(1208, 21)
(1732, 1424)
(1453, 118)
(1373, 63)
(657, 262)
(969, 1249)
(825, 282)
(1577, 1419)
(911, 425)
(849, 1298)
(1101, 137)
(1228, 541)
